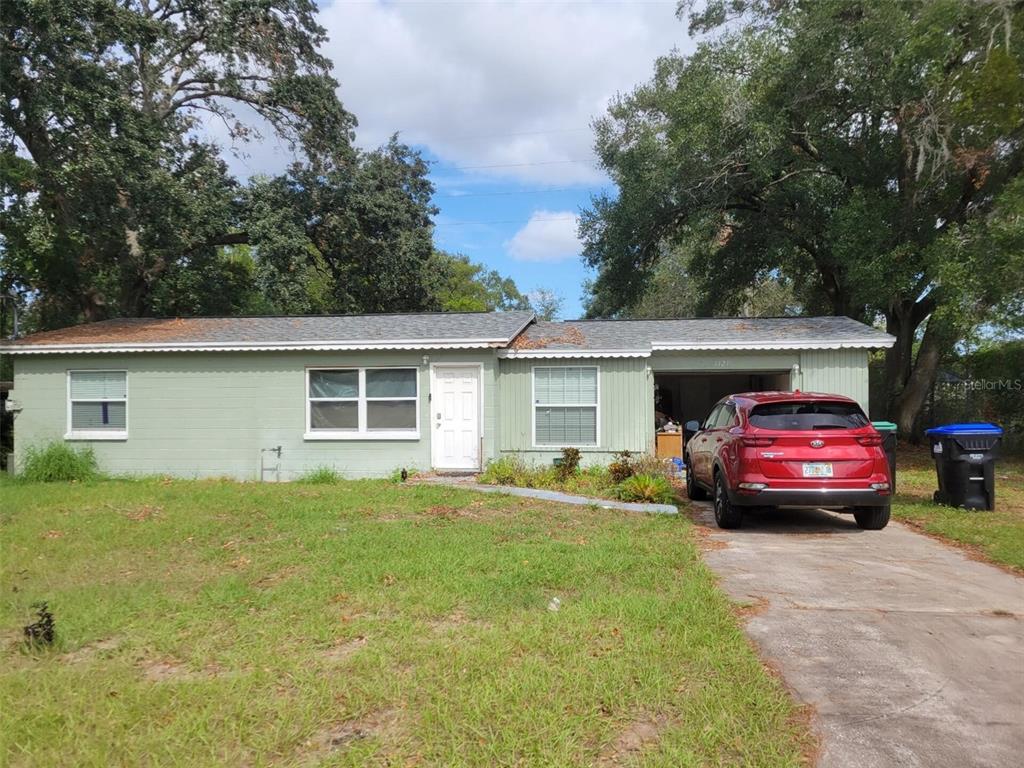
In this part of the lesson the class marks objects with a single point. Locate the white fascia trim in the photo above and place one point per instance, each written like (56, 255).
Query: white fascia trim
(307, 346)
(569, 353)
(668, 346)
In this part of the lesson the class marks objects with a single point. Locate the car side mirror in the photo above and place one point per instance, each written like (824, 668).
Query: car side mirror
(692, 426)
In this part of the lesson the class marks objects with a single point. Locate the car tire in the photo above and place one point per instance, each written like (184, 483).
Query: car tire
(726, 515)
(871, 518)
(693, 490)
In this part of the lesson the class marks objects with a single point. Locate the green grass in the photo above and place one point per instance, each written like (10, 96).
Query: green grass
(997, 535)
(364, 623)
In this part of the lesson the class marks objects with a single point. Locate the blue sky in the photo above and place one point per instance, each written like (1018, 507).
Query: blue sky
(500, 97)
(522, 229)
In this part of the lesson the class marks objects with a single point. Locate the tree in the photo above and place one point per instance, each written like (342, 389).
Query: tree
(353, 238)
(110, 196)
(866, 153)
(546, 303)
(460, 285)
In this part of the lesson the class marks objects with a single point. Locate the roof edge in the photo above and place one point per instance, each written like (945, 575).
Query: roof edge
(875, 343)
(306, 346)
(511, 354)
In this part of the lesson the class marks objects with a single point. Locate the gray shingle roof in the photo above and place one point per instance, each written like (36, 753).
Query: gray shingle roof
(700, 333)
(454, 330)
(441, 328)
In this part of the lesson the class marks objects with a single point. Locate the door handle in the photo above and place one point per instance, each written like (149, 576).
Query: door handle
(439, 417)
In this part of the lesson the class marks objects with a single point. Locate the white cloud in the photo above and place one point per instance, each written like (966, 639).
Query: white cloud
(510, 84)
(547, 236)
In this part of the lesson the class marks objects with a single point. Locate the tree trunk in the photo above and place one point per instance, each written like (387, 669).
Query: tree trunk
(911, 399)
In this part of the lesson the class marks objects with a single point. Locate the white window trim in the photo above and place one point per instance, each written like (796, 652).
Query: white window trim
(362, 433)
(96, 434)
(534, 405)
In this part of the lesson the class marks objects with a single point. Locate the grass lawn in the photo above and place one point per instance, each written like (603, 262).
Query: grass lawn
(996, 535)
(366, 623)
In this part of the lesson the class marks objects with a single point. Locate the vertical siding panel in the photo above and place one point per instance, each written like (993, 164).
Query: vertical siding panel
(626, 407)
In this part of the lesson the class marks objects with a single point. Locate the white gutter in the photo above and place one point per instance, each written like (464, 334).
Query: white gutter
(305, 346)
(565, 353)
(718, 346)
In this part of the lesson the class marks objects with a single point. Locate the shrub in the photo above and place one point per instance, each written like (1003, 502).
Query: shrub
(321, 476)
(648, 488)
(57, 462)
(621, 467)
(507, 470)
(569, 464)
(401, 474)
(648, 464)
(42, 630)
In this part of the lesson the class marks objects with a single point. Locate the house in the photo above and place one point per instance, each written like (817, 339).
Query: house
(274, 397)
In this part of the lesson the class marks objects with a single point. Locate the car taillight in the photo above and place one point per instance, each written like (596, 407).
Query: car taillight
(870, 440)
(757, 442)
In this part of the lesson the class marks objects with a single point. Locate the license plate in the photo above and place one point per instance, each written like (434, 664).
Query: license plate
(817, 470)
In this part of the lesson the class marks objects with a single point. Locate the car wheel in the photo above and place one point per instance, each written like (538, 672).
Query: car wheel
(871, 518)
(694, 491)
(726, 515)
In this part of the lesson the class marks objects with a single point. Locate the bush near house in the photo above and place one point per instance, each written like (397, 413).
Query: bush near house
(58, 462)
(595, 480)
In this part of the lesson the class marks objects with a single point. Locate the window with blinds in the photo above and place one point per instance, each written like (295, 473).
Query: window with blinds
(354, 402)
(565, 406)
(97, 404)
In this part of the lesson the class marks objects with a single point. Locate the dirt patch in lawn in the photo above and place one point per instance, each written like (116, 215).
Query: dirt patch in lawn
(273, 579)
(640, 733)
(90, 651)
(143, 512)
(454, 621)
(344, 649)
(383, 724)
(173, 670)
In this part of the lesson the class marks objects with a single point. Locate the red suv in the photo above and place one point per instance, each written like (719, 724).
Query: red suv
(790, 449)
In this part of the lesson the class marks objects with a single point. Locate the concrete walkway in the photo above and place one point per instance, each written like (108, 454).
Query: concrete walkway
(538, 493)
(910, 653)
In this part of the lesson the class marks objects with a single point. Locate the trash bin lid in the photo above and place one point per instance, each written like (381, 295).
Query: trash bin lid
(884, 426)
(966, 429)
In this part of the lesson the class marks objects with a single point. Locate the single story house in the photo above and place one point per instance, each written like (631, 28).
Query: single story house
(275, 397)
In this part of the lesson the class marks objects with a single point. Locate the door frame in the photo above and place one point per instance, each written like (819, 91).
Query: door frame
(480, 409)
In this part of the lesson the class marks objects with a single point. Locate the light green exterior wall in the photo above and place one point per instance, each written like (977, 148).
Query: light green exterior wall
(722, 362)
(836, 371)
(625, 407)
(209, 414)
(627, 391)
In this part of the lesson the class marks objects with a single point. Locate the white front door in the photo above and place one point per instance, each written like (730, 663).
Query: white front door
(455, 416)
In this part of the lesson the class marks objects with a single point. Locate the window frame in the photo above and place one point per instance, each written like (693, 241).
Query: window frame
(71, 433)
(362, 432)
(534, 405)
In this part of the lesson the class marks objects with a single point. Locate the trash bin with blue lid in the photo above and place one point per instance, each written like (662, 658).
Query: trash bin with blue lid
(965, 461)
(888, 432)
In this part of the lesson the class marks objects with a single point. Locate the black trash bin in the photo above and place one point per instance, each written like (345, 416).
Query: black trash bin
(888, 432)
(965, 461)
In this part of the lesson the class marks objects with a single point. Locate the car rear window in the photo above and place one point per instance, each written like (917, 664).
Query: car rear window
(808, 416)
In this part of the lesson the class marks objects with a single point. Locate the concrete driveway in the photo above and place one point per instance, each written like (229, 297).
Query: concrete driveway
(910, 653)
